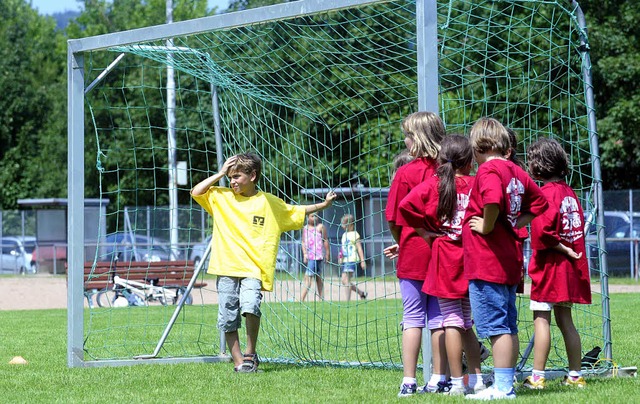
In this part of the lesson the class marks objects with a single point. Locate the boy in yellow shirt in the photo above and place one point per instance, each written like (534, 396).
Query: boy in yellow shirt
(247, 224)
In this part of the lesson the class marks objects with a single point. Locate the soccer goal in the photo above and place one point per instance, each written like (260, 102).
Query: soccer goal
(318, 89)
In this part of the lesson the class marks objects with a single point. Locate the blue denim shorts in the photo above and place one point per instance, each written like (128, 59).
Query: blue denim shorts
(494, 308)
(314, 267)
(237, 297)
(349, 266)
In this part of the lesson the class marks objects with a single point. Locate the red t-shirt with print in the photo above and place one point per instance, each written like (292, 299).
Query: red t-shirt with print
(414, 252)
(496, 257)
(445, 274)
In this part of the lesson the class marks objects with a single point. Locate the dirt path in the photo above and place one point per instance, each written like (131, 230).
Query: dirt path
(50, 292)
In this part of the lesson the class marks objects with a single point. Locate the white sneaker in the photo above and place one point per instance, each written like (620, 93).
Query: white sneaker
(492, 394)
(457, 391)
(476, 389)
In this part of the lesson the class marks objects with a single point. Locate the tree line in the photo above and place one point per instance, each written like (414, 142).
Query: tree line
(33, 85)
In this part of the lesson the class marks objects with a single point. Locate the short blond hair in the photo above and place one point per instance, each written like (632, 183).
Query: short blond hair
(426, 130)
(248, 163)
(488, 134)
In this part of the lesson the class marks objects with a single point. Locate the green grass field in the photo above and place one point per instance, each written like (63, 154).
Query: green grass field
(40, 337)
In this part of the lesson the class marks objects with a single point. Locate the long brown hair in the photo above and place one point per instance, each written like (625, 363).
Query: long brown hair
(455, 153)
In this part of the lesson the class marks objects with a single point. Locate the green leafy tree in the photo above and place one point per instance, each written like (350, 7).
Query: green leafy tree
(32, 106)
(614, 37)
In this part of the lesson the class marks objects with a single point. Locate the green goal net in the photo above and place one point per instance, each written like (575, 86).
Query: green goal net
(319, 96)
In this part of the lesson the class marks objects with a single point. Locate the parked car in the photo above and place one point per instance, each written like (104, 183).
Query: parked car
(136, 248)
(618, 229)
(16, 255)
(50, 258)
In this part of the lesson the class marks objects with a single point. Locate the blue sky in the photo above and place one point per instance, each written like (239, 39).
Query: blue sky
(54, 6)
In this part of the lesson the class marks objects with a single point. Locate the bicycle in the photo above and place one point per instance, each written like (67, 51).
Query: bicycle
(140, 293)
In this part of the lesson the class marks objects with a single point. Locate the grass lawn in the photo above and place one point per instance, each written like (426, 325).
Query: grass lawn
(40, 337)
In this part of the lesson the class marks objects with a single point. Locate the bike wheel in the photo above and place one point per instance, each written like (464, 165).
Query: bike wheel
(179, 293)
(106, 297)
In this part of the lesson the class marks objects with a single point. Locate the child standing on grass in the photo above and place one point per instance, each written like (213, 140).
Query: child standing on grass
(351, 254)
(247, 224)
(423, 133)
(503, 198)
(558, 269)
(438, 205)
(315, 250)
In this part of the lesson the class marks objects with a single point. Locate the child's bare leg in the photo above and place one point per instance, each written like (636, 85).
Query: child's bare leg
(505, 350)
(346, 281)
(439, 352)
(253, 327)
(354, 288)
(453, 343)
(541, 339)
(307, 286)
(471, 347)
(570, 336)
(411, 342)
(233, 342)
(319, 286)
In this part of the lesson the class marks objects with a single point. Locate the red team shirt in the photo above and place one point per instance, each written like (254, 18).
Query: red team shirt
(445, 275)
(496, 257)
(414, 251)
(556, 278)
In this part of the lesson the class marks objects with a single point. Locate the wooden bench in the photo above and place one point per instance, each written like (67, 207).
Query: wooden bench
(169, 274)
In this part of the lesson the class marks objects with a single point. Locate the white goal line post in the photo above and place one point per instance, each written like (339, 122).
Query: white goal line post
(427, 68)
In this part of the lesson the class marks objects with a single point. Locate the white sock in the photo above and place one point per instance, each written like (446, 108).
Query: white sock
(435, 378)
(408, 380)
(457, 382)
(537, 374)
(574, 374)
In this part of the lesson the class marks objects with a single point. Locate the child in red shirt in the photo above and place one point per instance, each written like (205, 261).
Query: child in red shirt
(423, 132)
(503, 199)
(558, 269)
(437, 206)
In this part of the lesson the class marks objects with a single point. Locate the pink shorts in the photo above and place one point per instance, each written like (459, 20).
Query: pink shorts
(454, 313)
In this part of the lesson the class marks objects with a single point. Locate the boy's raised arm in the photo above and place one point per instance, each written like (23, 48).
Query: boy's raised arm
(205, 184)
(316, 207)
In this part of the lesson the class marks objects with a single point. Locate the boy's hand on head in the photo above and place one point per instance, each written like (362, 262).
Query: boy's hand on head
(228, 164)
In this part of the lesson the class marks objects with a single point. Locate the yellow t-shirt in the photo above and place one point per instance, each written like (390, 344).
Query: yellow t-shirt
(246, 232)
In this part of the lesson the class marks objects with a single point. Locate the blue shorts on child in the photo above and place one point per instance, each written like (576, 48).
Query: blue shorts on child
(494, 308)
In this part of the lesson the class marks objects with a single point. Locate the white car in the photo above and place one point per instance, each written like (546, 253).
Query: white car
(16, 255)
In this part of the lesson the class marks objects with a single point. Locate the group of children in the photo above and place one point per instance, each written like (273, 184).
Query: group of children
(459, 249)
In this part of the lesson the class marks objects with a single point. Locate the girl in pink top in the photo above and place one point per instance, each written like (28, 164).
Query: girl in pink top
(315, 250)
